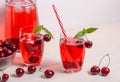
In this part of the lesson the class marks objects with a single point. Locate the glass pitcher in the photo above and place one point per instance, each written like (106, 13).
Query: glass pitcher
(19, 13)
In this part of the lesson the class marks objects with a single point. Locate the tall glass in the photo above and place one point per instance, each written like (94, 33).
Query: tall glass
(31, 45)
(72, 53)
(19, 13)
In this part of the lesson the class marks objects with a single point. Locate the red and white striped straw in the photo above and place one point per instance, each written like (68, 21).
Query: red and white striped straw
(59, 21)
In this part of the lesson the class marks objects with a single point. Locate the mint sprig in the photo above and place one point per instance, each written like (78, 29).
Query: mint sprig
(85, 31)
(41, 27)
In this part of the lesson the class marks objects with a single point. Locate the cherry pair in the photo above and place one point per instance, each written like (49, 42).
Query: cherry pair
(96, 69)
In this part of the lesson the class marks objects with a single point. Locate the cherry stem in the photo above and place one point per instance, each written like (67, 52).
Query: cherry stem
(107, 55)
(86, 37)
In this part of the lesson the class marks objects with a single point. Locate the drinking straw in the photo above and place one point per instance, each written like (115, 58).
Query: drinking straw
(63, 31)
(59, 21)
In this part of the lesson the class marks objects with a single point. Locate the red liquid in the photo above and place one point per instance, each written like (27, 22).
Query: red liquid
(31, 49)
(18, 16)
(72, 54)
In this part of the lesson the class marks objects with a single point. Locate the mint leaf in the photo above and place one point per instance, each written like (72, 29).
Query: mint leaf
(48, 32)
(85, 31)
(41, 27)
(79, 34)
(91, 30)
(38, 29)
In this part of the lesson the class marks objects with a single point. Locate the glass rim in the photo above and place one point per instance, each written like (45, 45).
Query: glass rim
(31, 3)
(70, 36)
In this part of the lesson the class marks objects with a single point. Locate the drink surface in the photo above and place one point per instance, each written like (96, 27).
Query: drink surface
(72, 53)
(19, 14)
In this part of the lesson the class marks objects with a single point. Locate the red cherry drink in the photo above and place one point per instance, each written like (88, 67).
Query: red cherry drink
(19, 13)
(72, 53)
(31, 47)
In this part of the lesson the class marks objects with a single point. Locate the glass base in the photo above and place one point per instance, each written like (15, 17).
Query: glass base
(28, 64)
(71, 70)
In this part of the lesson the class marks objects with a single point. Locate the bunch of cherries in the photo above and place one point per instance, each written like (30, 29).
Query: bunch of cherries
(7, 48)
(96, 68)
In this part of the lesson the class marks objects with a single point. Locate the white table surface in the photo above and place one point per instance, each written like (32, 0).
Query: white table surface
(106, 40)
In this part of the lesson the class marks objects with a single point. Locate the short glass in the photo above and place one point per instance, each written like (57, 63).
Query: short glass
(72, 53)
(31, 45)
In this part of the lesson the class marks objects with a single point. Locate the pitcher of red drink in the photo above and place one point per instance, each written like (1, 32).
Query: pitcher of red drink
(19, 13)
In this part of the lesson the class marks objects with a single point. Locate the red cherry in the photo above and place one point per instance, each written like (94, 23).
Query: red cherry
(49, 73)
(47, 38)
(88, 44)
(31, 69)
(2, 54)
(5, 77)
(95, 70)
(20, 72)
(105, 71)
(13, 47)
(1, 49)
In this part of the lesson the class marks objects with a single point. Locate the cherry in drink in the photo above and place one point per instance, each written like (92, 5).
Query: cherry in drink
(72, 53)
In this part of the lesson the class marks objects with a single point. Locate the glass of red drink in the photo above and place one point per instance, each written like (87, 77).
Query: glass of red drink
(19, 13)
(72, 53)
(31, 45)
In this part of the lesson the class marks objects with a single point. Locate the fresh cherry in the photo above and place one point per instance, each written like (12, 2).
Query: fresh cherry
(105, 71)
(8, 52)
(1, 49)
(5, 77)
(20, 72)
(31, 69)
(13, 47)
(2, 54)
(47, 38)
(95, 70)
(88, 44)
(49, 73)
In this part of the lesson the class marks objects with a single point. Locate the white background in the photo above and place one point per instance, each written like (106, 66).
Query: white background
(83, 13)
(76, 14)
(79, 12)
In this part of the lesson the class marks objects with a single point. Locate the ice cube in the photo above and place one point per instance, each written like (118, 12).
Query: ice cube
(18, 8)
(27, 9)
(32, 7)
